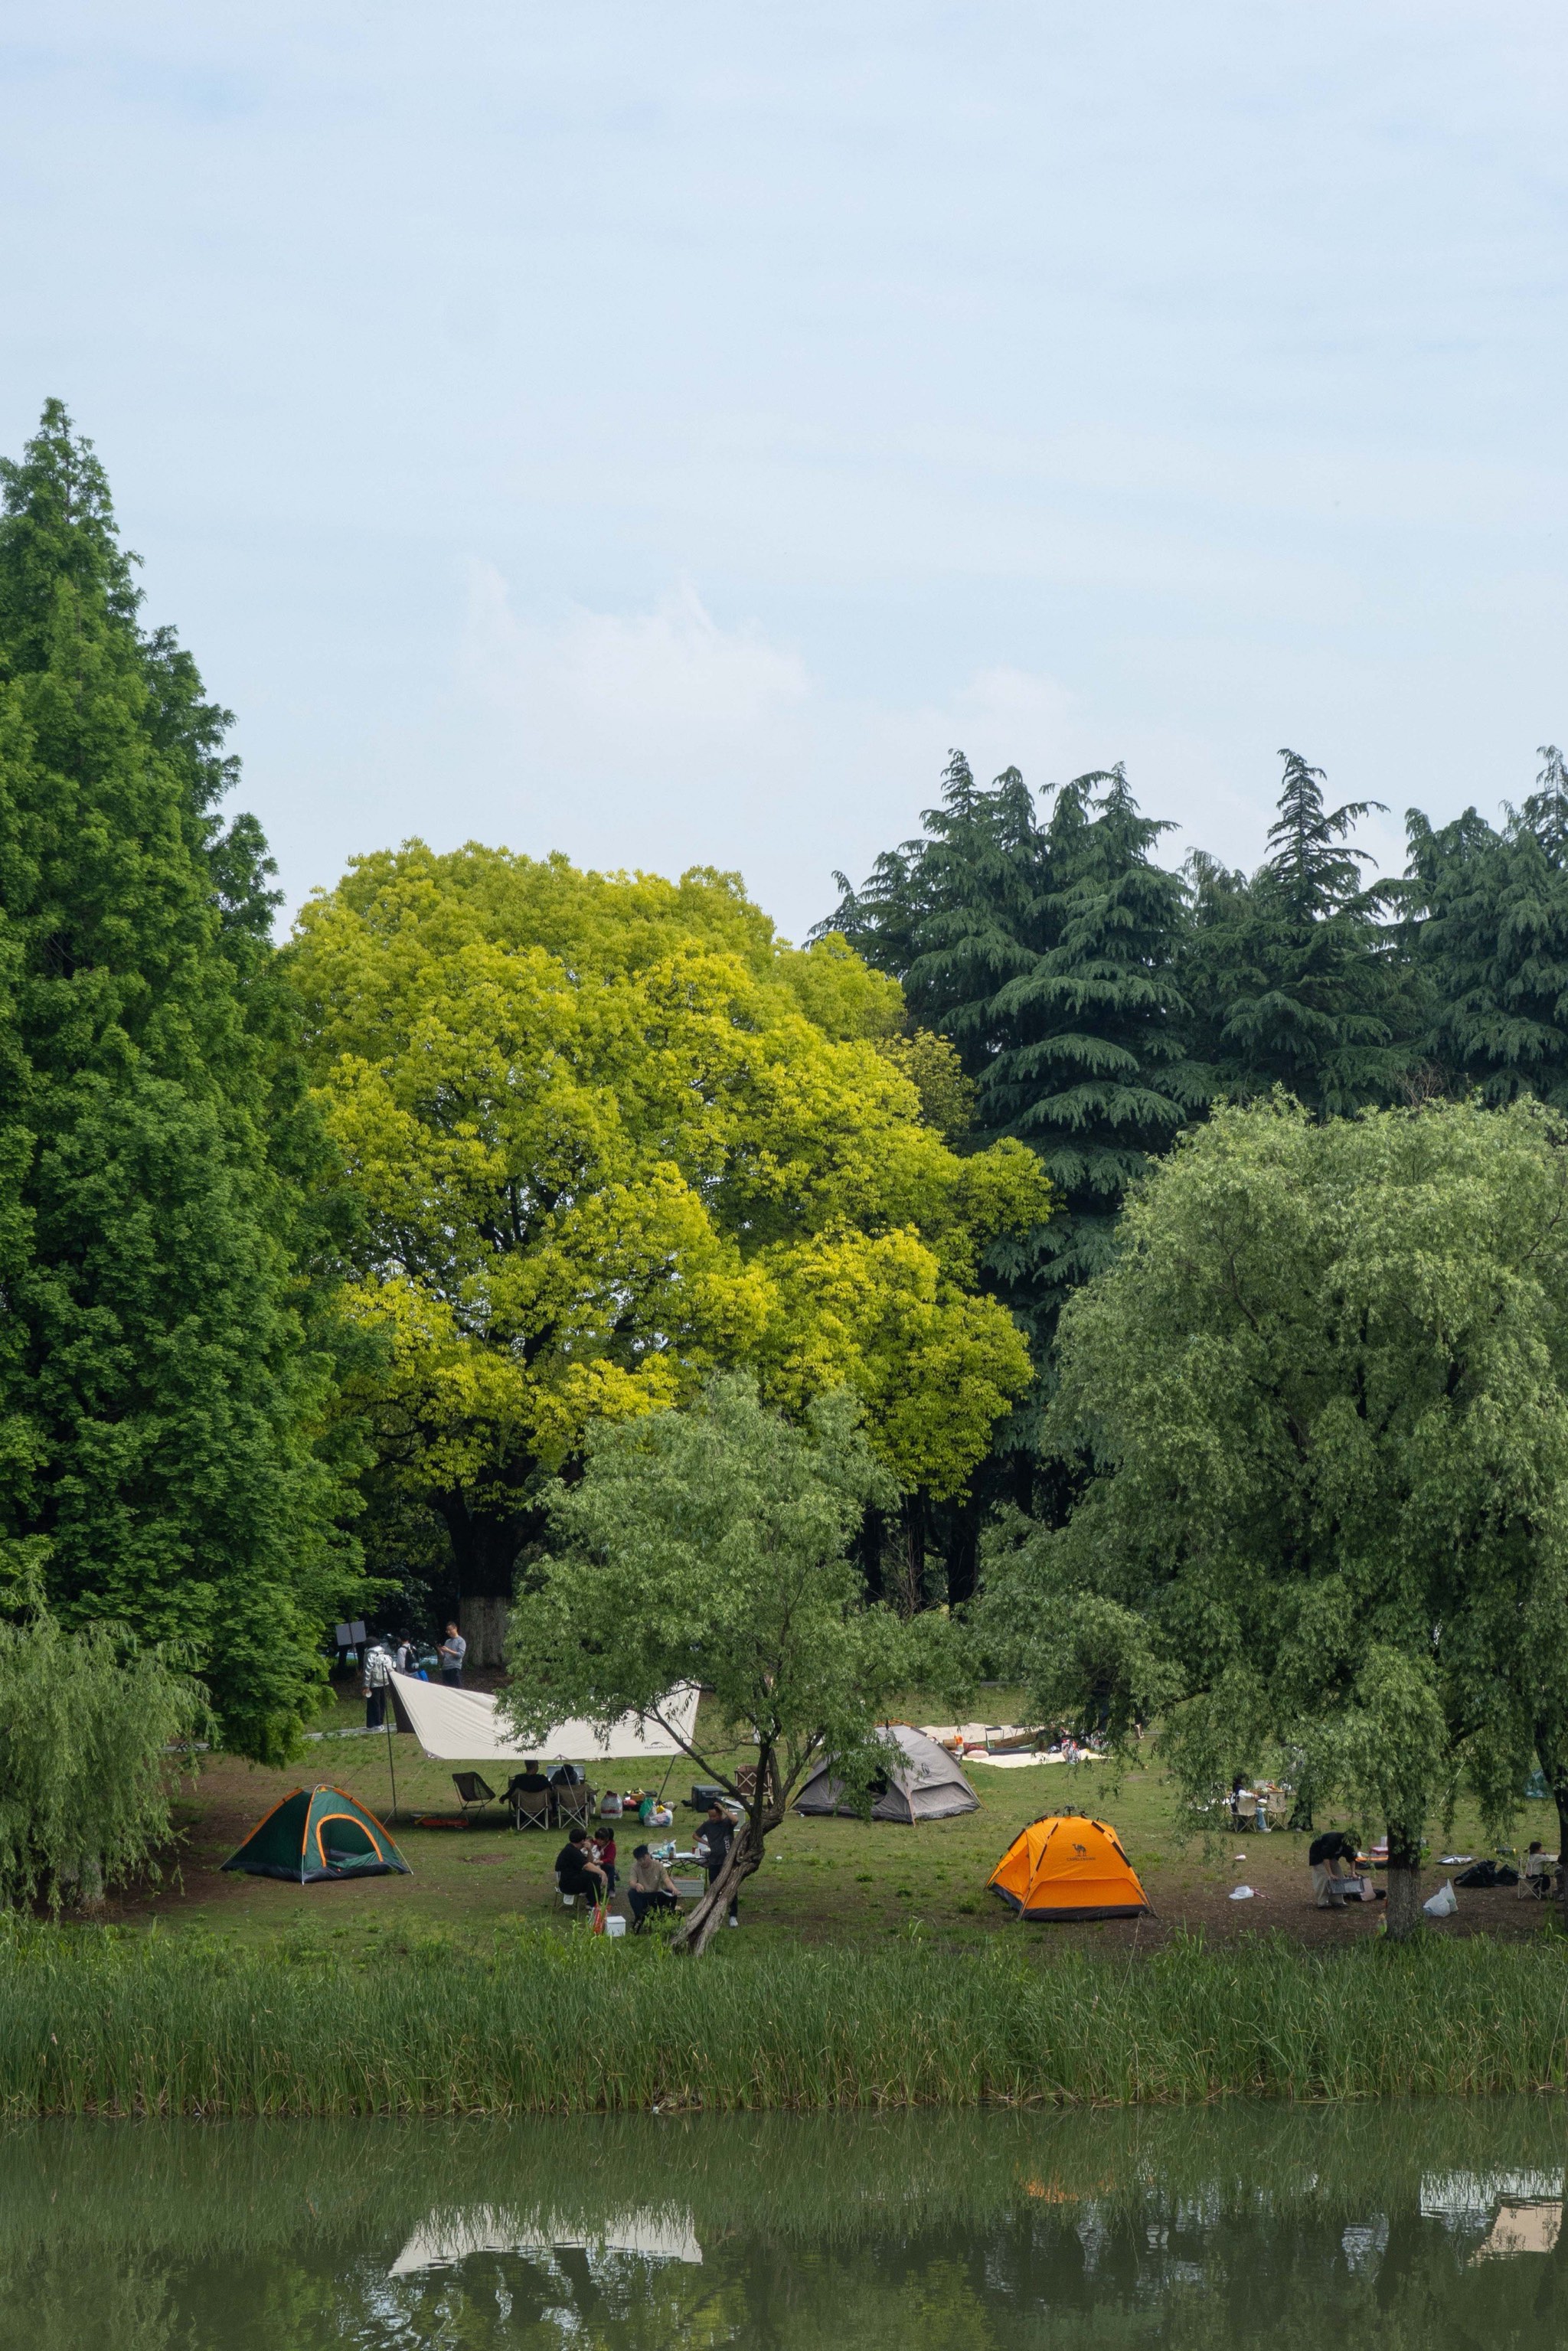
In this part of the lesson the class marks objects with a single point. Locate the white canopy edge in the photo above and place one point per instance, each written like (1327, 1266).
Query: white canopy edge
(461, 1726)
(450, 2237)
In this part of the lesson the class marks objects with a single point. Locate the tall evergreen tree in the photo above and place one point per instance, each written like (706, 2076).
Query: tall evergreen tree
(1489, 916)
(1297, 977)
(157, 1393)
(1046, 951)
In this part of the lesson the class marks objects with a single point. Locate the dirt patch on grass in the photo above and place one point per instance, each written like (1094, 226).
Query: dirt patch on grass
(824, 1881)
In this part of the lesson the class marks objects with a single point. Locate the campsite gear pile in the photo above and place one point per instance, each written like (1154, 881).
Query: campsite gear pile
(1068, 1867)
(921, 1782)
(317, 1833)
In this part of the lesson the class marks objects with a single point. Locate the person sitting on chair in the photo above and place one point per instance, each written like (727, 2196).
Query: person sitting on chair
(650, 1887)
(602, 1845)
(1540, 1872)
(576, 1873)
(530, 1781)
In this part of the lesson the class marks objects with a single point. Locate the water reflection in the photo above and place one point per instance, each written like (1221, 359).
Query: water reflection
(1418, 2225)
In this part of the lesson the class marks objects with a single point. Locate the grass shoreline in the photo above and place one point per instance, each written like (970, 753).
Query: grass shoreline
(100, 2024)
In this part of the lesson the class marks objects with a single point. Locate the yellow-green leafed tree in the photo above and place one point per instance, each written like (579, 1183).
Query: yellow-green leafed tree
(608, 1136)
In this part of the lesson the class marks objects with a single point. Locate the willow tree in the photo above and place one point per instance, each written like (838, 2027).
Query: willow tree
(160, 1396)
(610, 1136)
(1325, 1383)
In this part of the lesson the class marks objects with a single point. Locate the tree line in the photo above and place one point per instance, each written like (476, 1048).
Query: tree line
(329, 1268)
(1100, 1004)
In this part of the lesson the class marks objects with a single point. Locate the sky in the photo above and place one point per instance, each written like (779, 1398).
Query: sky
(660, 432)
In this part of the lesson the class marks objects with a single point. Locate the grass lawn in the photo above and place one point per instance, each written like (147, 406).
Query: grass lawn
(824, 1880)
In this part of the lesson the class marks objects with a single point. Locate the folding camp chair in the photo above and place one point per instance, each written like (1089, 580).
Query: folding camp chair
(472, 1792)
(572, 1805)
(530, 1807)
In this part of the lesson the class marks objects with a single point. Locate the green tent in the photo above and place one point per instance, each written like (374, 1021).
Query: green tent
(317, 1832)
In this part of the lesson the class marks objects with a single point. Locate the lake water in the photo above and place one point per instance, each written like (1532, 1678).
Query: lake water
(1417, 2225)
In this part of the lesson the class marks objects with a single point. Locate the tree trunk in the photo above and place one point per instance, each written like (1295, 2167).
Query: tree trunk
(903, 1573)
(485, 1546)
(701, 1923)
(963, 1552)
(699, 1927)
(1404, 1883)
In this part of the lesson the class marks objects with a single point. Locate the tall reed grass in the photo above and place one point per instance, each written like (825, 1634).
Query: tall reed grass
(545, 2024)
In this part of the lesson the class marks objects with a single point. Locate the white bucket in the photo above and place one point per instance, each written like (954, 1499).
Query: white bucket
(613, 1926)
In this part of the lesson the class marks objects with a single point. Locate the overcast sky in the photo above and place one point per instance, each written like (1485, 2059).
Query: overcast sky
(658, 432)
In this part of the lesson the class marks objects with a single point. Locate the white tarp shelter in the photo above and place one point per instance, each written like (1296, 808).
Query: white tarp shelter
(924, 1781)
(447, 2237)
(460, 1725)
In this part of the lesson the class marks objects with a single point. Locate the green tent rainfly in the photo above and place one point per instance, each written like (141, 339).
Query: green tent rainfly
(317, 1832)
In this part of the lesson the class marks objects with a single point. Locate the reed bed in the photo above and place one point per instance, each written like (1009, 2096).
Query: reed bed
(102, 2024)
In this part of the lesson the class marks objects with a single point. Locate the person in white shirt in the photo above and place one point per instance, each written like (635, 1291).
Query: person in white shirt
(453, 1649)
(376, 1675)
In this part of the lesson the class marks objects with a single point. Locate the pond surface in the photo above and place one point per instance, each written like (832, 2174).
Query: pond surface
(1416, 2225)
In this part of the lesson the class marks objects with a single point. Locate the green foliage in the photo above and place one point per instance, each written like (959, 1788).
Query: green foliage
(1489, 919)
(710, 1546)
(1326, 1385)
(602, 1150)
(158, 1399)
(935, 1069)
(85, 1719)
(1295, 978)
(1045, 951)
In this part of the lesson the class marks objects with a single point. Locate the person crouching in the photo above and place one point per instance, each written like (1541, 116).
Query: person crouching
(1326, 1858)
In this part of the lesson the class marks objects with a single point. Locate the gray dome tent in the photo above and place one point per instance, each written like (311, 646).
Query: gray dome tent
(923, 1783)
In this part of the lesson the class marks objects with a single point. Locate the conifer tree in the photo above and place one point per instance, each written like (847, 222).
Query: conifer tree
(157, 1392)
(1488, 915)
(1046, 951)
(1296, 977)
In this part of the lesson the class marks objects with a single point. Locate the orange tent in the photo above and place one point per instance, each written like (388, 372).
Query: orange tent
(1065, 1867)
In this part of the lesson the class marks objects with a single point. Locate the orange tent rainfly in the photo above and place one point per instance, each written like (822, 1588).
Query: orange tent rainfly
(1068, 1867)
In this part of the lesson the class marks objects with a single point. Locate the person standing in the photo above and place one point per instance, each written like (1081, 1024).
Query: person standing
(377, 1673)
(714, 1838)
(453, 1649)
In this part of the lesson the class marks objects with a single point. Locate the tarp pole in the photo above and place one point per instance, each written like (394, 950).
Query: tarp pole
(391, 1768)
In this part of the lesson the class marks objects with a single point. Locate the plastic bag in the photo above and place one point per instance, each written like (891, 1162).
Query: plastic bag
(1241, 1894)
(1444, 1903)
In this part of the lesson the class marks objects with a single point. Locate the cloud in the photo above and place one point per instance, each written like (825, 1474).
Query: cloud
(667, 737)
(650, 692)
